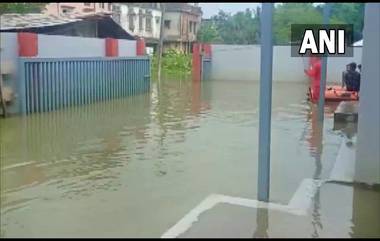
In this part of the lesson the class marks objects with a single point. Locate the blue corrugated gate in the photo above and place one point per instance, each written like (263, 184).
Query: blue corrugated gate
(206, 68)
(48, 84)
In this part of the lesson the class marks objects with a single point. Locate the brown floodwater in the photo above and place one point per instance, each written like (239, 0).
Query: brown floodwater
(133, 167)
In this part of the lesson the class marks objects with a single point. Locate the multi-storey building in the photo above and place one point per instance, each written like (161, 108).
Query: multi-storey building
(181, 23)
(58, 9)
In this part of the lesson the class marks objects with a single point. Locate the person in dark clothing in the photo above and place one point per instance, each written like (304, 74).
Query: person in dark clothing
(351, 78)
(344, 75)
(360, 68)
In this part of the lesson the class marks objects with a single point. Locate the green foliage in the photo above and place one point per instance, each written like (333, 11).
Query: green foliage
(240, 28)
(173, 63)
(21, 7)
(349, 13)
(293, 13)
(208, 33)
(244, 27)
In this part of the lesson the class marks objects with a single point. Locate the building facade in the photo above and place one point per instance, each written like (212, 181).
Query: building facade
(58, 9)
(140, 20)
(181, 24)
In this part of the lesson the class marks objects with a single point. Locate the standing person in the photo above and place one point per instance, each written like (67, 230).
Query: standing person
(344, 73)
(314, 72)
(352, 78)
(360, 68)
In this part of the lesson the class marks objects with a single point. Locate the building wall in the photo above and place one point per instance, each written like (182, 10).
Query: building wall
(69, 47)
(52, 46)
(180, 26)
(156, 21)
(173, 32)
(127, 47)
(57, 8)
(187, 33)
(242, 62)
(368, 142)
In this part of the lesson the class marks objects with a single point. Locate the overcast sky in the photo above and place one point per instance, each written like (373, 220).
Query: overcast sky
(210, 9)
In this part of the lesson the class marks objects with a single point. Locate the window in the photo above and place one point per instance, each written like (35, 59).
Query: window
(148, 24)
(131, 23)
(109, 6)
(87, 4)
(190, 26)
(167, 24)
(115, 8)
(140, 20)
(157, 20)
(194, 27)
(66, 10)
(101, 5)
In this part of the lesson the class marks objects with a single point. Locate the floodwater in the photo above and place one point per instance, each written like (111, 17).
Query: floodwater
(134, 167)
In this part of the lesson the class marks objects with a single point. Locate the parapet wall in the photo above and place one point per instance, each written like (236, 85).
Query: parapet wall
(242, 62)
(16, 48)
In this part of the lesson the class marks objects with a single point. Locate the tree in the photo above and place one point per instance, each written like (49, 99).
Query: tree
(349, 13)
(244, 27)
(293, 13)
(21, 7)
(208, 33)
(240, 28)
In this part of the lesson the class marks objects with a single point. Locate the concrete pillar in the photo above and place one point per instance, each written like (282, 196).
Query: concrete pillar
(321, 104)
(27, 44)
(112, 47)
(368, 142)
(207, 50)
(140, 47)
(266, 64)
(196, 62)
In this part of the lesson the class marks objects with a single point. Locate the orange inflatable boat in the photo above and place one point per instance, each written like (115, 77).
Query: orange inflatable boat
(337, 93)
(332, 93)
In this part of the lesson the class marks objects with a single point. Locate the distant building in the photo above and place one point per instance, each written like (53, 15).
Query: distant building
(59, 9)
(181, 24)
(140, 20)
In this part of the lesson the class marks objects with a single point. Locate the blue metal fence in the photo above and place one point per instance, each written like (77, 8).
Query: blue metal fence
(48, 84)
(206, 68)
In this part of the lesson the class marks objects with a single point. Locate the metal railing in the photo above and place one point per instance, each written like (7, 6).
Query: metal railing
(48, 84)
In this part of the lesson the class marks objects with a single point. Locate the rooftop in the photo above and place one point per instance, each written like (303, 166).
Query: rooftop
(68, 25)
(36, 20)
(183, 7)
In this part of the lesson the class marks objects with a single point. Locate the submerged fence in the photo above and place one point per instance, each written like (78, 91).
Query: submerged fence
(206, 68)
(48, 84)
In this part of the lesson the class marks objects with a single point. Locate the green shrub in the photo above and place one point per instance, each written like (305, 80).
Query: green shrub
(174, 62)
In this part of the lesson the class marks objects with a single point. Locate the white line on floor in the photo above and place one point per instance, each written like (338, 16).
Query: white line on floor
(187, 221)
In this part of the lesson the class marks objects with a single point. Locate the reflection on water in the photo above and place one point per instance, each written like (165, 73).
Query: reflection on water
(133, 167)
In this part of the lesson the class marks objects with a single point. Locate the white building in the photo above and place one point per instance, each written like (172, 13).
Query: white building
(140, 20)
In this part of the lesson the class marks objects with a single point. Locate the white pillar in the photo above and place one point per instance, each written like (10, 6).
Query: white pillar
(368, 142)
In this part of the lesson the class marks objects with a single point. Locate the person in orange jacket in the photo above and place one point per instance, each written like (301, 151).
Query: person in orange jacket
(314, 72)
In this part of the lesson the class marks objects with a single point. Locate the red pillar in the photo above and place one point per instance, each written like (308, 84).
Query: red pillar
(207, 50)
(27, 44)
(140, 46)
(196, 62)
(112, 47)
